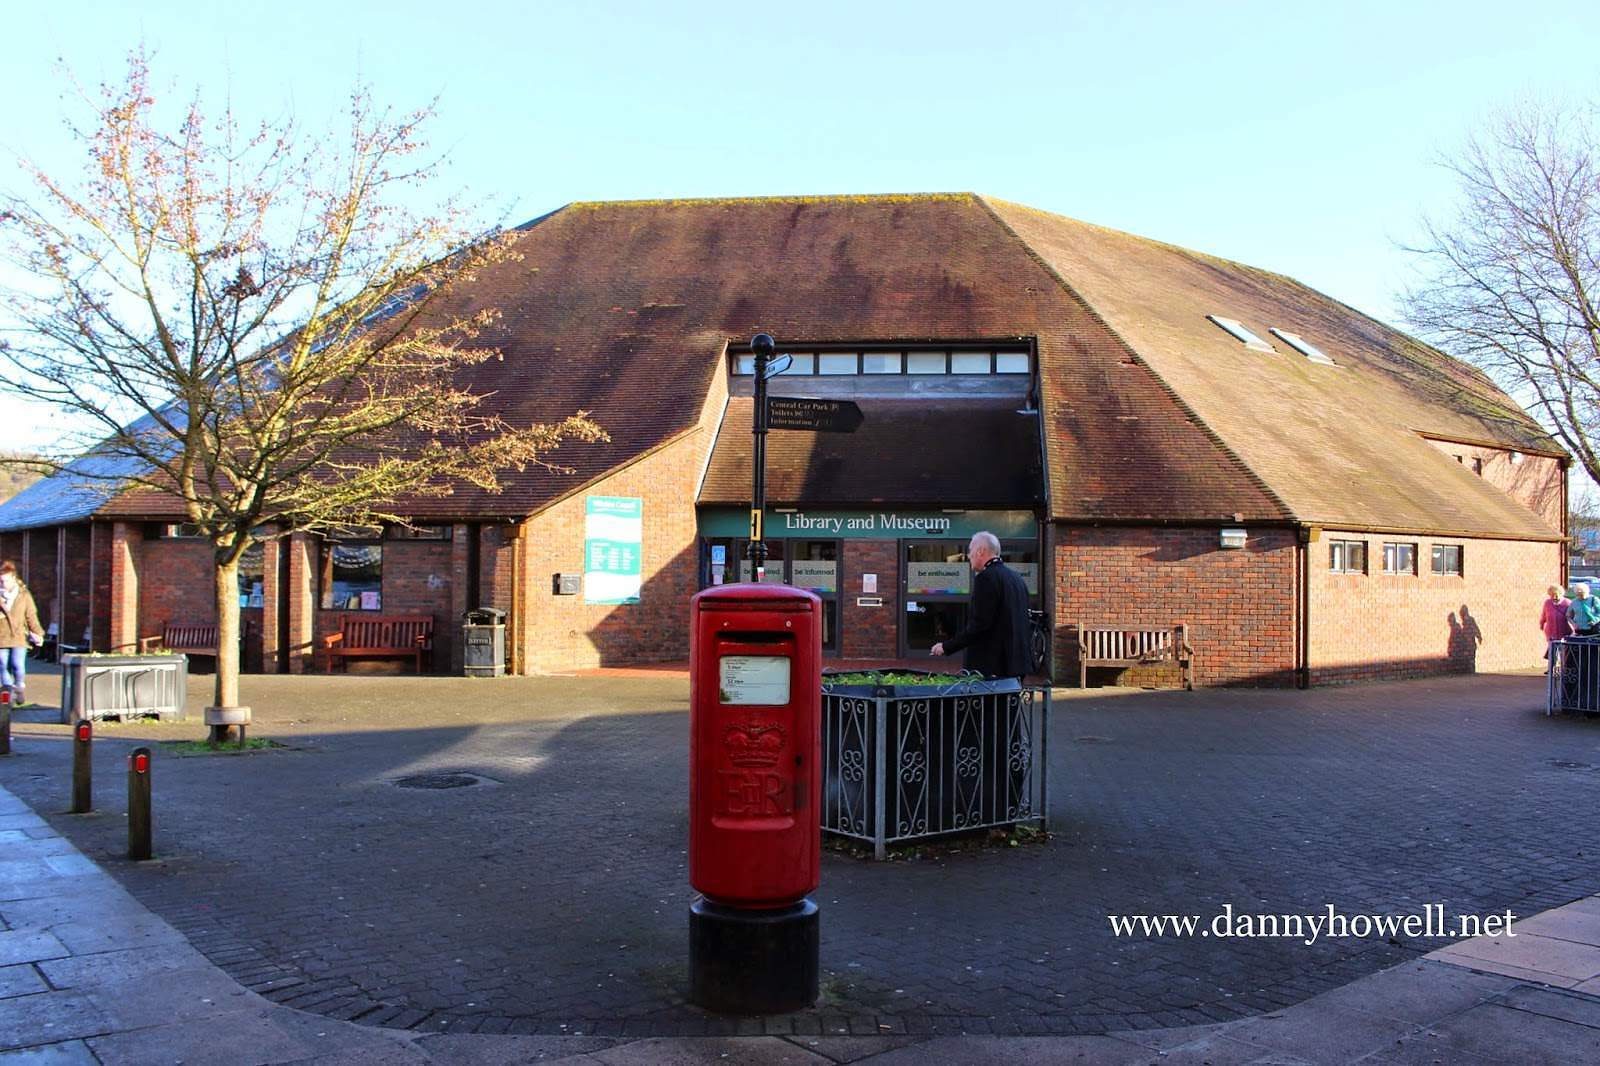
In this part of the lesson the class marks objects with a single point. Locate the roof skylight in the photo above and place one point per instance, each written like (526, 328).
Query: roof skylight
(1241, 333)
(1303, 346)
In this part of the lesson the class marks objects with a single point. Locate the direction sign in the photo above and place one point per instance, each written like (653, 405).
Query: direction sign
(779, 364)
(820, 416)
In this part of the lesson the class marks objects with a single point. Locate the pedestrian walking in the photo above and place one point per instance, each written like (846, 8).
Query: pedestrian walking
(1583, 611)
(19, 627)
(996, 634)
(1553, 617)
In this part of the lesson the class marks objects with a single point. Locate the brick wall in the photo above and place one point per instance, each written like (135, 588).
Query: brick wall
(559, 633)
(177, 579)
(1377, 625)
(100, 538)
(1532, 480)
(870, 632)
(42, 548)
(126, 550)
(1238, 603)
(77, 606)
(11, 547)
(564, 632)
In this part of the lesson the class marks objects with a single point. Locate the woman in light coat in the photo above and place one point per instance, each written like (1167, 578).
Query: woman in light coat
(19, 627)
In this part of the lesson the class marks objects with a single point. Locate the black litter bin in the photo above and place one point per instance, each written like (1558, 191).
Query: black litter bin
(483, 642)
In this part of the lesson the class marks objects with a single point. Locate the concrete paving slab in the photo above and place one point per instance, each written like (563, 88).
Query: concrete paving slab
(1505, 1035)
(67, 1053)
(29, 945)
(754, 1051)
(1426, 988)
(48, 1018)
(1325, 1034)
(1540, 954)
(851, 1048)
(112, 967)
(172, 995)
(1008, 1051)
(21, 980)
(1214, 1049)
(1489, 966)
(22, 819)
(1588, 987)
(101, 902)
(1581, 1010)
(474, 1050)
(1580, 925)
(262, 1034)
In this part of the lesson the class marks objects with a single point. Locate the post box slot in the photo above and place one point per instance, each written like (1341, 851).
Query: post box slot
(742, 637)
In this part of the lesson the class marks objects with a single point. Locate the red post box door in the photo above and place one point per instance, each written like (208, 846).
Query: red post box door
(755, 744)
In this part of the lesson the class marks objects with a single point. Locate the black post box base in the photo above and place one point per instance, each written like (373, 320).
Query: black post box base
(753, 961)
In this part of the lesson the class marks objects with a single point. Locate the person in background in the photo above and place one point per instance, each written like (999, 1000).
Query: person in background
(1553, 617)
(1583, 611)
(996, 636)
(19, 627)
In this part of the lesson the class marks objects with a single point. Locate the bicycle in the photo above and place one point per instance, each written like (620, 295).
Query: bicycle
(1038, 642)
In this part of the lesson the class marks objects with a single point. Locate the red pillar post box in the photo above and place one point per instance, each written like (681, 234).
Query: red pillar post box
(755, 754)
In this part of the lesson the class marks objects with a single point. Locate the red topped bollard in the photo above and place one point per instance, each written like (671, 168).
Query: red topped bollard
(755, 837)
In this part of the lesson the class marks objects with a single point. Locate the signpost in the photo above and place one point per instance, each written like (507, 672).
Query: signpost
(819, 416)
(783, 412)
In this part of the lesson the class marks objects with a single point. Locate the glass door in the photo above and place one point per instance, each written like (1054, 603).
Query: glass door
(814, 565)
(936, 584)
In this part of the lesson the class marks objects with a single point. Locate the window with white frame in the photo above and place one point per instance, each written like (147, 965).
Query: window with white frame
(1347, 556)
(1399, 557)
(1447, 560)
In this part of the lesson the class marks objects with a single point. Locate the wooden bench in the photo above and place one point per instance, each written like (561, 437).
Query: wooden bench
(1122, 646)
(380, 636)
(191, 638)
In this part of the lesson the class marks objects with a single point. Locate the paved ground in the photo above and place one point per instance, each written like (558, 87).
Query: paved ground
(88, 975)
(552, 901)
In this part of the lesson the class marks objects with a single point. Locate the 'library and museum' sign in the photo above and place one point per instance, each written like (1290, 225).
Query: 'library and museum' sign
(875, 525)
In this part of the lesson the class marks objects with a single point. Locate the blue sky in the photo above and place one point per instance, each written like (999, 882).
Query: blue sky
(1294, 138)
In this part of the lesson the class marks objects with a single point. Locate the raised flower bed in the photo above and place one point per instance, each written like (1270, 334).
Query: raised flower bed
(908, 755)
(123, 686)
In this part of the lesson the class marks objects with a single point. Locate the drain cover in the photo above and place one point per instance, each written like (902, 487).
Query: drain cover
(451, 780)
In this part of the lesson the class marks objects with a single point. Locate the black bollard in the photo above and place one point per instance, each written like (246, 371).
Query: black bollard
(139, 804)
(82, 767)
(5, 721)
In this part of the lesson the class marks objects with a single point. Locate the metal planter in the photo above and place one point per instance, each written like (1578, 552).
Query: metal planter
(123, 686)
(911, 761)
(1573, 675)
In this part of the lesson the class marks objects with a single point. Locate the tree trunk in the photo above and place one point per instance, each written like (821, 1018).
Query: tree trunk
(227, 685)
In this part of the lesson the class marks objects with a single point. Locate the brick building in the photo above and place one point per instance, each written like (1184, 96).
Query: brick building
(1108, 405)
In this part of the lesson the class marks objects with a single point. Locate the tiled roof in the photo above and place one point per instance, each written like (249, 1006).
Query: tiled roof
(1151, 412)
(1336, 444)
(954, 453)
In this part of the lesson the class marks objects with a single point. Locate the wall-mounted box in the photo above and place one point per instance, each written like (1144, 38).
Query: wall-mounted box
(566, 584)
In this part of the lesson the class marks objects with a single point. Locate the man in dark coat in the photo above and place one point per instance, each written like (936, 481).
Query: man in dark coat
(996, 634)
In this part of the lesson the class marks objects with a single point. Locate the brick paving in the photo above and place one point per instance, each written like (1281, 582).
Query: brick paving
(551, 898)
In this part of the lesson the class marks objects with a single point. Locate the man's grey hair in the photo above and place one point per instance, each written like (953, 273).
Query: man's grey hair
(1582, 587)
(988, 541)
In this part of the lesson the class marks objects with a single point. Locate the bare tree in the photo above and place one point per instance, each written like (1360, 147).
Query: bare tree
(1511, 283)
(254, 323)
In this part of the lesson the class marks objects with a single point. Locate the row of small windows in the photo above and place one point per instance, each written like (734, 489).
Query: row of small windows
(1399, 557)
(1247, 337)
(920, 361)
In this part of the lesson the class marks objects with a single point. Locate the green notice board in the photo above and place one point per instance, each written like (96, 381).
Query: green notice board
(613, 528)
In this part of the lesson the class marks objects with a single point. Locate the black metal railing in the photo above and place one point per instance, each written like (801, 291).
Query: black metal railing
(903, 762)
(1573, 675)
